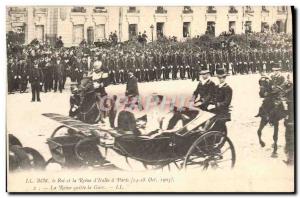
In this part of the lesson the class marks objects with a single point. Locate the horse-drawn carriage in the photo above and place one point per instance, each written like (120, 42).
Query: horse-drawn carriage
(201, 142)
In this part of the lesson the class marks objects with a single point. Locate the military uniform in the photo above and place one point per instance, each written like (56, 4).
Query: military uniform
(206, 91)
(58, 75)
(36, 78)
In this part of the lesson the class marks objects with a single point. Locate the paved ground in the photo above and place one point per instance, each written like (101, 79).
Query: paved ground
(24, 120)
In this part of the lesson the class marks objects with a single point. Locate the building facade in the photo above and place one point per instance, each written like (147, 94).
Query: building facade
(74, 24)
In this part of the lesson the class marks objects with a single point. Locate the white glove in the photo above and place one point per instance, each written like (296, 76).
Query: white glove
(41, 83)
(209, 107)
(96, 85)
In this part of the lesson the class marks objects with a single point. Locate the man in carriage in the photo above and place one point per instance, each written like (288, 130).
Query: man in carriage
(205, 90)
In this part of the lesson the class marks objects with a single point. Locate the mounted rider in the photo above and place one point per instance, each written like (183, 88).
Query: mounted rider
(272, 89)
(100, 77)
(272, 109)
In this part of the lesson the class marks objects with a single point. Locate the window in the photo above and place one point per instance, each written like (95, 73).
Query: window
(78, 33)
(248, 27)
(281, 9)
(78, 9)
(100, 32)
(249, 9)
(264, 9)
(232, 27)
(280, 26)
(132, 10)
(160, 10)
(100, 10)
(187, 10)
(186, 29)
(211, 9)
(160, 30)
(132, 30)
(210, 29)
(264, 27)
(232, 10)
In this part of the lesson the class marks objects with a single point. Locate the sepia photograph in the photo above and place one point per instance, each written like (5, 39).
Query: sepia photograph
(150, 98)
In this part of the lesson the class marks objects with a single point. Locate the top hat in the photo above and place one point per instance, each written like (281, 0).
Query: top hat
(221, 73)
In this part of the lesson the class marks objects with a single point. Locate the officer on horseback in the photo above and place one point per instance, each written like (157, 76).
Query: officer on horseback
(100, 81)
(272, 109)
(100, 78)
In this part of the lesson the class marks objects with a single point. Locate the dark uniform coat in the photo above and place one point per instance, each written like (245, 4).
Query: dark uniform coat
(206, 92)
(223, 97)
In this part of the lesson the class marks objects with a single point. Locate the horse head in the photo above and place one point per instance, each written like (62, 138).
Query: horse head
(264, 86)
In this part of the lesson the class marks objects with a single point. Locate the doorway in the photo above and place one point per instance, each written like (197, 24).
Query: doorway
(132, 31)
(159, 30)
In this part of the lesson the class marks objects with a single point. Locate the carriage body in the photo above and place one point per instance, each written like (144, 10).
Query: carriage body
(160, 150)
(155, 151)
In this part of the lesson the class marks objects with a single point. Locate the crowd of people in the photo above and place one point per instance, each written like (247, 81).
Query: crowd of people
(153, 61)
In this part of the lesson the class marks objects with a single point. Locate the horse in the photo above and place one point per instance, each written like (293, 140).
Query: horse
(271, 111)
(87, 106)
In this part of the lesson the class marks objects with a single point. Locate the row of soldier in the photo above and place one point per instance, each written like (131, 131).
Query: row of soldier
(149, 63)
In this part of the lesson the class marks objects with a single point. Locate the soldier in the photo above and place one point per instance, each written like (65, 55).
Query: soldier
(226, 61)
(223, 97)
(16, 77)
(122, 68)
(24, 76)
(270, 60)
(172, 63)
(137, 64)
(10, 75)
(111, 68)
(36, 79)
(65, 62)
(117, 68)
(233, 61)
(58, 75)
(159, 65)
(48, 73)
(18, 73)
(246, 61)
(78, 70)
(212, 61)
(170, 66)
(259, 62)
(205, 89)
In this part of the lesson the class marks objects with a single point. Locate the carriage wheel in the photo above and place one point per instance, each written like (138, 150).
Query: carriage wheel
(37, 161)
(18, 158)
(88, 153)
(211, 150)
